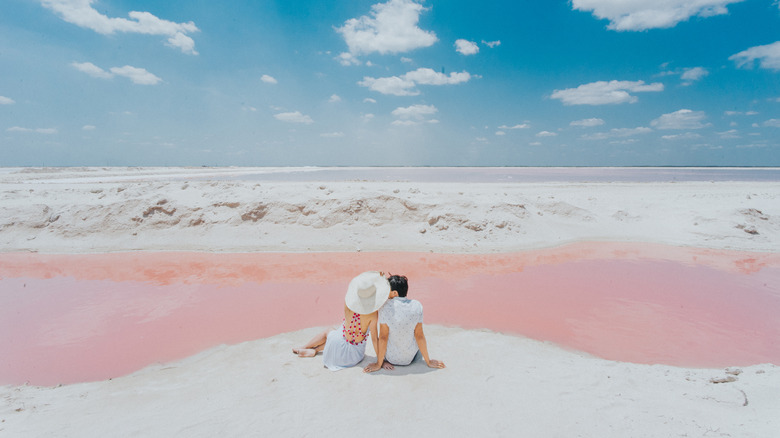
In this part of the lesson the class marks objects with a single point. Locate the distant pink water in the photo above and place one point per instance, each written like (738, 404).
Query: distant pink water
(74, 318)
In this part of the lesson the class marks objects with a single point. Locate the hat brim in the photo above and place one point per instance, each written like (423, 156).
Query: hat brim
(371, 303)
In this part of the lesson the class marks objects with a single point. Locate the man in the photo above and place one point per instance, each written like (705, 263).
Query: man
(401, 337)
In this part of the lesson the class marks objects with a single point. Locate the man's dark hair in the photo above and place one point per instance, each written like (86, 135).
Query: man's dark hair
(399, 284)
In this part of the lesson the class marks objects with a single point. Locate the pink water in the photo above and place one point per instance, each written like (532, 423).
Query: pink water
(71, 318)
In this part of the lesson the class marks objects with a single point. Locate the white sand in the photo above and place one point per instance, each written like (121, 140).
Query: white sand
(494, 385)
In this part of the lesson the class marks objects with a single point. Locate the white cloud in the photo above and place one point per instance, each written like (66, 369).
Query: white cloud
(618, 133)
(681, 119)
(406, 60)
(731, 133)
(82, 14)
(768, 56)
(465, 47)
(390, 28)
(491, 44)
(518, 126)
(269, 79)
(91, 69)
(404, 85)
(427, 76)
(500, 133)
(690, 75)
(774, 123)
(394, 85)
(740, 113)
(685, 136)
(603, 92)
(367, 117)
(332, 134)
(6, 101)
(88, 128)
(636, 15)
(135, 74)
(294, 117)
(546, 134)
(416, 112)
(347, 59)
(369, 100)
(37, 130)
(334, 98)
(587, 123)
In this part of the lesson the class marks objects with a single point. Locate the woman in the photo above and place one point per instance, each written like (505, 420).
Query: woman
(345, 347)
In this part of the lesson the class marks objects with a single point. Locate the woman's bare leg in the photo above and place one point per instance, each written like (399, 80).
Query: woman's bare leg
(312, 347)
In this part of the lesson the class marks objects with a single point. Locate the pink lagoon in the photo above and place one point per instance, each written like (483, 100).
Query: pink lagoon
(72, 318)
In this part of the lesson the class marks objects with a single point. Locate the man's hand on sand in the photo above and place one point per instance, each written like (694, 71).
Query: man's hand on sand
(436, 364)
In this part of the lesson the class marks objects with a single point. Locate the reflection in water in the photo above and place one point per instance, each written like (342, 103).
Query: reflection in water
(69, 318)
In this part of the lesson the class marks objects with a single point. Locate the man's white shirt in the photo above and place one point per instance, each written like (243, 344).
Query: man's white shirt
(401, 316)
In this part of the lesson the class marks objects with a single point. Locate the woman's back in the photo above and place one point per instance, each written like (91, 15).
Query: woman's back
(355, 326)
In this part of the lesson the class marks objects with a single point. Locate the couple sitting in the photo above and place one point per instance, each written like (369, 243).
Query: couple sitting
(373, 301)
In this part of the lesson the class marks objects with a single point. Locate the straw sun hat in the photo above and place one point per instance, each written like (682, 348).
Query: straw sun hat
(367, 292)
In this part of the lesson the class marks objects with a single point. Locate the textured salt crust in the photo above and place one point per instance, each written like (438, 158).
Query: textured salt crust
(75, 212)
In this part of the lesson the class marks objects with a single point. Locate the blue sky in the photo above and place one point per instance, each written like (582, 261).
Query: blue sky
(402, 82)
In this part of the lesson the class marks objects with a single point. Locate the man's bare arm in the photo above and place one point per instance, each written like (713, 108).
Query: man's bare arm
(422, 345)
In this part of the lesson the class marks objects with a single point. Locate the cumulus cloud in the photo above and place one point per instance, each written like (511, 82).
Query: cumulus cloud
(369, 100)
(499, 133)
(637, 15)
(405, 85)
(603, 92)
(136, 75)
(82, 14)
(88, 128)
(681, 119)
(546, 134)
(397, 86)
(294, 117)
(491, 44)
(774, 123)
(466, 47)
(416, 112)
(518, 126)
(768, 56)
(391, 27)
(414, 115)
(6, 101)
(334, 98)
(618, 133)
(268, 79)
(587, 123)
